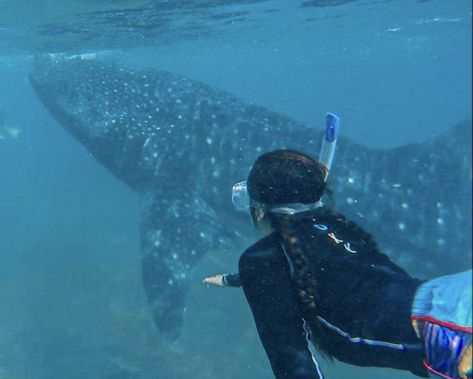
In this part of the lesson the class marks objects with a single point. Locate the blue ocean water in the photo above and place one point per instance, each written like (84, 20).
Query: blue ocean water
(72, 303)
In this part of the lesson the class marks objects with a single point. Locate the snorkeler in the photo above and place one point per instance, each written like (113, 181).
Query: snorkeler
(317, 280)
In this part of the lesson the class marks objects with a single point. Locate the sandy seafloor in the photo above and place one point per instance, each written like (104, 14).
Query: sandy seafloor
(71, 298)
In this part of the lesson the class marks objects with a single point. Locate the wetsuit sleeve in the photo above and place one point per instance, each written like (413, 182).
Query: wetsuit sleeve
(231, 280)
(268, 289)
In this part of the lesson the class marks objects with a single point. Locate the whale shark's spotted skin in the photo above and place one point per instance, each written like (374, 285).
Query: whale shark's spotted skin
(182, 145)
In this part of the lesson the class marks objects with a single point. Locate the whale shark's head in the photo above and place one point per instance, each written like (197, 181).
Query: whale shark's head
(95, 107)
(75, 102)
(136, 120)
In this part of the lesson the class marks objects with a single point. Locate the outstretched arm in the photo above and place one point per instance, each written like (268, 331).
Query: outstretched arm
(223, 280)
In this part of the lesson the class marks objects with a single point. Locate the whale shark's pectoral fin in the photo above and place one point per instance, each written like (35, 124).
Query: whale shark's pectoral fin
(175, 233)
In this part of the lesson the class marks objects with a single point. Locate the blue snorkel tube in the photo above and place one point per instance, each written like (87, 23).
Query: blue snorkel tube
(329, 141)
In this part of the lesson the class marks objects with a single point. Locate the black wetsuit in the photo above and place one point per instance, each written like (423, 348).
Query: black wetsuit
(364, 303)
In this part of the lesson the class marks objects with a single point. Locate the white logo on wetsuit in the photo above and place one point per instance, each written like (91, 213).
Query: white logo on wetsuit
(331, 235)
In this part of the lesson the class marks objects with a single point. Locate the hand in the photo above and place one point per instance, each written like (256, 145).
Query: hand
(216, 280)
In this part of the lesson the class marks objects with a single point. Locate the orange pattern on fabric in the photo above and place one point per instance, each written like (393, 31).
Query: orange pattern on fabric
(464, 365)
(415, 325)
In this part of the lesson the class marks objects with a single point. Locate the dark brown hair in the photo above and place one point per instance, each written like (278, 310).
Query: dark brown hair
(286, 176)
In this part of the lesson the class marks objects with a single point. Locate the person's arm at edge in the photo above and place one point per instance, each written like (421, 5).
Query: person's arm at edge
(223, 280)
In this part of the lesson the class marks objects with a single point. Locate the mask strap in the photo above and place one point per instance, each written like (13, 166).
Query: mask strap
(287, 209)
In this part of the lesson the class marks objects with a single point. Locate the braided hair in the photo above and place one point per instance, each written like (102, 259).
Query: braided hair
(288, 176)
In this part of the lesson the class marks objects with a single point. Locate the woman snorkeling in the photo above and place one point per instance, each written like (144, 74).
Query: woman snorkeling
(318, 280)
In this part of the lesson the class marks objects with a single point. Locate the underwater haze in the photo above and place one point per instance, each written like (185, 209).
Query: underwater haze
(72, 302)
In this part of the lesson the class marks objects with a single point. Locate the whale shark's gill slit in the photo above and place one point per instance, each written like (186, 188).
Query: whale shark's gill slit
(151, 158)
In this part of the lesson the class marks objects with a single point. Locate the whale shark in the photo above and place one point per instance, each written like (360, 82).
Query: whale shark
(181, 145)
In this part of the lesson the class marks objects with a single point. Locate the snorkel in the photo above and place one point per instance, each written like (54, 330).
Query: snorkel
(241, 200)
(329, 141)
